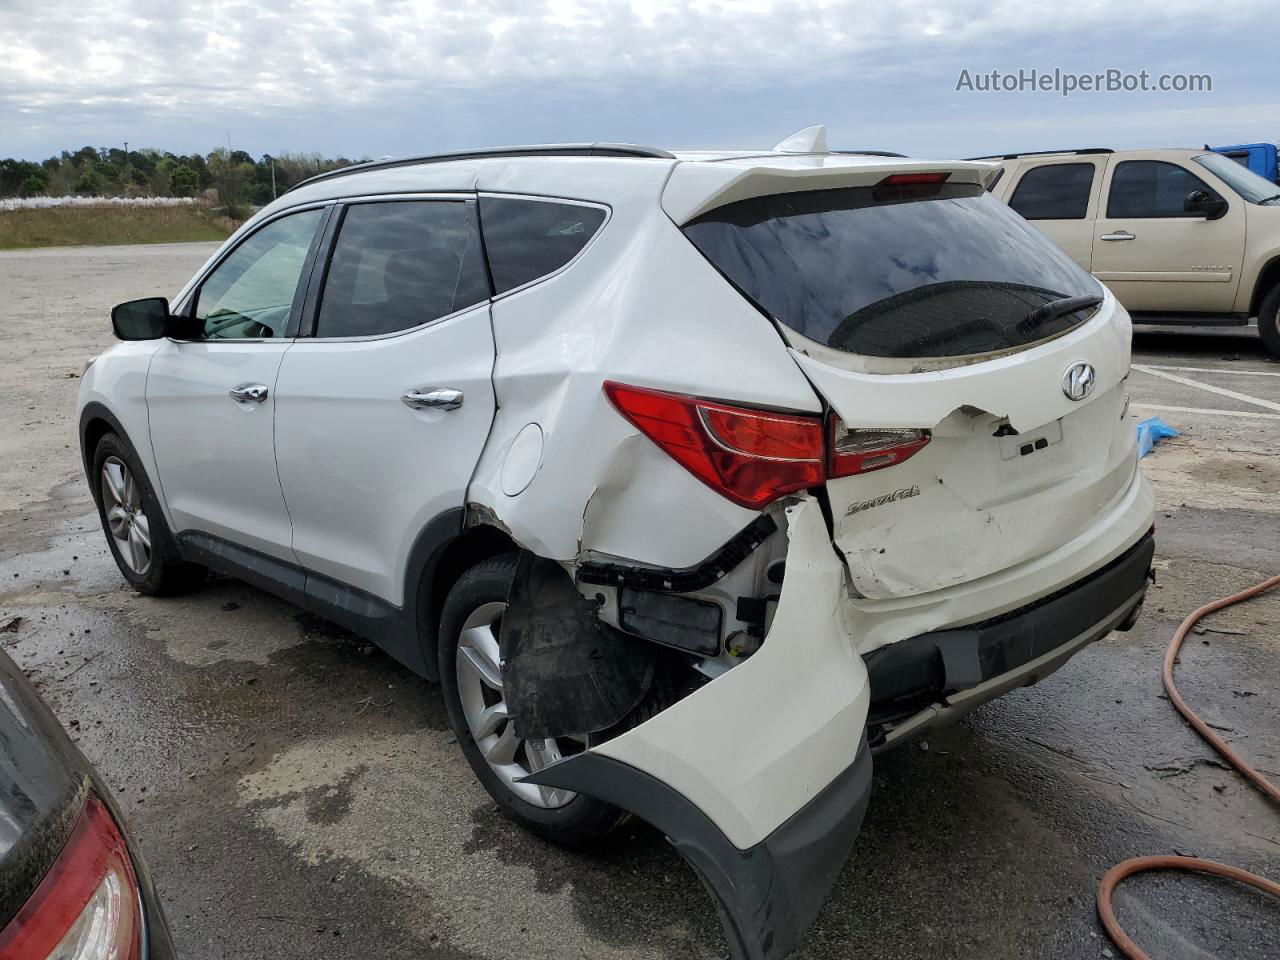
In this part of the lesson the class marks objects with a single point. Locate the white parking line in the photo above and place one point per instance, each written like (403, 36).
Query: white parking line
(1220, 391)
(1247, 414)
(1233, 372)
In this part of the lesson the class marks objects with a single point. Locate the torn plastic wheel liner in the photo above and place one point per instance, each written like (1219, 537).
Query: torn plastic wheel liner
(760, 778)
(564, 670)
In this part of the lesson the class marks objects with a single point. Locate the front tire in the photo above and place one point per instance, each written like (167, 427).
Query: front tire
(472, 682)
(137, 535)
(1269, 322)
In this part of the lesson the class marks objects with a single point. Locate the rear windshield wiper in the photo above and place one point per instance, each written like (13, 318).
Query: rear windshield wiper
(1057, 308)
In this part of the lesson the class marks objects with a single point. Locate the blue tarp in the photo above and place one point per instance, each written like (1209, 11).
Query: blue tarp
(1150, 432)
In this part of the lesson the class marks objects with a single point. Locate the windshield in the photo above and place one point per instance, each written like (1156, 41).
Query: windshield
(1242, 180)
(942, 272)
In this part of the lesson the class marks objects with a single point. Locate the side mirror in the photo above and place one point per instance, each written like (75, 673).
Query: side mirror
(141, 319)
(1208, 205)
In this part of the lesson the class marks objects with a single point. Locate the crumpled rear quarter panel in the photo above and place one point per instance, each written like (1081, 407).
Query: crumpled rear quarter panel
(640, 306)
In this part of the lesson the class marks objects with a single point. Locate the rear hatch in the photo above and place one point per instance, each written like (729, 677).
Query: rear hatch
(947, 335)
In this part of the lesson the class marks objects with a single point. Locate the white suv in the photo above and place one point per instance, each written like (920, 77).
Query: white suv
(693, 478)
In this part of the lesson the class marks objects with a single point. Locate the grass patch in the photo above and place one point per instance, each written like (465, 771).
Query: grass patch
(95, 226)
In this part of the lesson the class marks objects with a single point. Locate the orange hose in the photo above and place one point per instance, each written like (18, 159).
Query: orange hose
(1141, 864)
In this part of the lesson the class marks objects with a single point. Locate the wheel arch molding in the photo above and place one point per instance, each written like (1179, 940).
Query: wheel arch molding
(96, 421)
(449, 545)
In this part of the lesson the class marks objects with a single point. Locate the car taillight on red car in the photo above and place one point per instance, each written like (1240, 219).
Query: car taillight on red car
(87, 906)
(752, 456)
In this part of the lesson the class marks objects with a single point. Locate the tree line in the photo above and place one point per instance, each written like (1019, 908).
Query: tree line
(237, 177)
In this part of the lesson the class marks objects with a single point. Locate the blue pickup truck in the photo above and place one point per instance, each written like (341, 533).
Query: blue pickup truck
(1258, 157)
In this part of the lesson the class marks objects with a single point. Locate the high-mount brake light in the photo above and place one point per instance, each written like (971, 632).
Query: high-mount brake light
(904, 187)
(913, 179)
(862, 450)
(87, 906)
(752, 457)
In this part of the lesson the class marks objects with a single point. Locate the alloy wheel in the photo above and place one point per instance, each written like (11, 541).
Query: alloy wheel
(485, 708)
(126, 518)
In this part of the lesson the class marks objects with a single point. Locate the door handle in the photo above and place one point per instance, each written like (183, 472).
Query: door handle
(248, 393)
(1118, 235)
(442, 398)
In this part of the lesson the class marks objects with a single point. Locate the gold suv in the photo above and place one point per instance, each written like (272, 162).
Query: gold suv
(1180, 236)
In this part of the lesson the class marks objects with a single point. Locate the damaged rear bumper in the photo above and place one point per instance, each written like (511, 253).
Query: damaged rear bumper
(937, 677)
(761, 777)
(766, 895)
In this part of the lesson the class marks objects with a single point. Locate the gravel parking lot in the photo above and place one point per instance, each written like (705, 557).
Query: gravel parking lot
(300, 795)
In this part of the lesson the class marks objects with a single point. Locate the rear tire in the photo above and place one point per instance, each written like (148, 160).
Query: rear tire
(472, 685)
(134, 525)
(1269, 322)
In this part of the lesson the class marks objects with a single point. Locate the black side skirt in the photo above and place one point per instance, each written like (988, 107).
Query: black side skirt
(766, 896)
(400, 631)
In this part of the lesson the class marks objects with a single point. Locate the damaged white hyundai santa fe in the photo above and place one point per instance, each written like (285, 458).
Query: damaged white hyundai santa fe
(693, 478)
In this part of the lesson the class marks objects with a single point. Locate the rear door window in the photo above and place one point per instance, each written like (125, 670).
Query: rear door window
(942, 272)
(1142, 189)
(399, 264)
(1056, 191)
(527, 239)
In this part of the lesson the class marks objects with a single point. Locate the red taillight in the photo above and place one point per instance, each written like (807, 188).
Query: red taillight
(87, 907)
(755, 456)
(750, 456)
(912, 179)
(862, 450)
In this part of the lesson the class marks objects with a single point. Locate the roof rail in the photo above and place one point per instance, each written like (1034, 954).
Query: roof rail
(537, 150)
(1040, 153)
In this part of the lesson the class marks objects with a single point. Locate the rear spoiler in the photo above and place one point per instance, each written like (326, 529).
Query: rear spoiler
(694, 188)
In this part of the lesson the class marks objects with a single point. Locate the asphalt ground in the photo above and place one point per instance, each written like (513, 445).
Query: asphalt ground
(299, 795)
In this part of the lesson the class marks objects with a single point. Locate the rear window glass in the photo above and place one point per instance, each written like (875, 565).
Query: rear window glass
(866, 271)
(528, 239)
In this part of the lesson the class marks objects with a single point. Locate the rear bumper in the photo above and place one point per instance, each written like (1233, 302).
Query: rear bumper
(938, 676)
(760, 778)
(766, 895)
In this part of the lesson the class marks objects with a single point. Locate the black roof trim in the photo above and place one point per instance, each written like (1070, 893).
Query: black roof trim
(1041, 153)
(868, 153)
(537, 150)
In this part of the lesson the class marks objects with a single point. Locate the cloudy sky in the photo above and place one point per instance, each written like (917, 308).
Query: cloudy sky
(401, 76)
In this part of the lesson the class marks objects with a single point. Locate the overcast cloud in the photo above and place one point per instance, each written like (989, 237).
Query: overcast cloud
(361, 78)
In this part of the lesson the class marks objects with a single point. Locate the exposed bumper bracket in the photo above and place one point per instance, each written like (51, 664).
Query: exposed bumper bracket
(684, 579)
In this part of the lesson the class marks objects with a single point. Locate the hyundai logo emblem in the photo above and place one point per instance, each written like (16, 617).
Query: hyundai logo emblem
(1078, 381)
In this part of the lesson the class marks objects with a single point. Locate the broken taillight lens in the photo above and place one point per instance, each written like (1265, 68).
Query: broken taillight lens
(87, 906)
(861, 450)
(752, 457)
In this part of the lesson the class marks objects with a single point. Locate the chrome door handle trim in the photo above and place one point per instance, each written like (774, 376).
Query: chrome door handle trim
(442, 398)
(1118, 235)
(248, 393)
